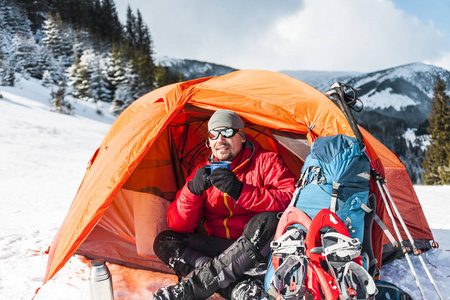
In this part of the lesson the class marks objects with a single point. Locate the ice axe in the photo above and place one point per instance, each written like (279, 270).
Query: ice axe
(347, 102)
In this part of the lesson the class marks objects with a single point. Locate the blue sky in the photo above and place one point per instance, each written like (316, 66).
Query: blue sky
(434, 11)
(326, 35)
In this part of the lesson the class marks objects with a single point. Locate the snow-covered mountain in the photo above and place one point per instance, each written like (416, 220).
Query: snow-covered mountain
(192, 69)
(402, 92)
(321, 80)
(397, 100)
(397, 104)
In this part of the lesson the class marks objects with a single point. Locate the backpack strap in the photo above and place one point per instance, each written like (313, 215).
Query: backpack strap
(367, 209)
(334, 196)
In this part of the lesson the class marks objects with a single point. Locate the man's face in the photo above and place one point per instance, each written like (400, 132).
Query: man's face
(226, 149)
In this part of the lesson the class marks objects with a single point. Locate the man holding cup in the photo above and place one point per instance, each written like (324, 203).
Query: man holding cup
(239, 192)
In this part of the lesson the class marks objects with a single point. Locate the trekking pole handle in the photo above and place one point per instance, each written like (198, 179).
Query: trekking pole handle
(337, 92)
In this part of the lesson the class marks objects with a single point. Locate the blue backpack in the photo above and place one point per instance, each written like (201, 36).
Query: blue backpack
(336, 175)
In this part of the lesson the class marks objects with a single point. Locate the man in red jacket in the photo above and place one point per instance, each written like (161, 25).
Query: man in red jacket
(240, 207)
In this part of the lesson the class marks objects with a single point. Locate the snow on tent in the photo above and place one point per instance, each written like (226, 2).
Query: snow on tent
(157, 141)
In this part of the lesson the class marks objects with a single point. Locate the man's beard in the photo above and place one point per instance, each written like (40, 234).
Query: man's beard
(224, 155)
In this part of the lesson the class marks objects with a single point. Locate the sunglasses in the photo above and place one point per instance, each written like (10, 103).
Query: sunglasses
(213, 134)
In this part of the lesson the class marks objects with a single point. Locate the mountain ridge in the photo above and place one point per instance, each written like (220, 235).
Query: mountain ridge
(397, 101)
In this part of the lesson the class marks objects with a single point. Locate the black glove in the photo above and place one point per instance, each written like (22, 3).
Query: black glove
(200, 182)
(227, 182)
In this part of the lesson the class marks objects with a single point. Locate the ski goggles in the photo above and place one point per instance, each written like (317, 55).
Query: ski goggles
(213, 134)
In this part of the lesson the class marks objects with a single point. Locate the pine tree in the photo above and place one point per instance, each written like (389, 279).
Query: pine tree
(58, 100)
(14, 19)
(53, 35)
(89, 79)
(47, 79)
(127, 89)
(115, 71)
(42, 57)
(22, 56)
(130, 28)
(80, 43)
(163, 76)
(36, 12)
(112, 29)
(144, 41)
(7, 76)
(67, 46)
(99, 83)
(437, 157)
(79, 77)
(116, 74)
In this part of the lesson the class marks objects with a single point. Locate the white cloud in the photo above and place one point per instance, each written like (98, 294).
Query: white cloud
(443, 61)
(350, 35)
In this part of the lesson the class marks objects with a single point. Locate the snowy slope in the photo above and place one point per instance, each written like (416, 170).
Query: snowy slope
(43, 156)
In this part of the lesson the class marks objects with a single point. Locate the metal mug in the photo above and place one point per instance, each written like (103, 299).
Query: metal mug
(220, 164)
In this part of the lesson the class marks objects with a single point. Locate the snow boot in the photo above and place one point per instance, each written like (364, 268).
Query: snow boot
(181, 291)
(231, 265)
(169, 246)
(249, 289)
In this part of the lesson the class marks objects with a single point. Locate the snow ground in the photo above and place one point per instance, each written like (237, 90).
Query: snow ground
(43, 156)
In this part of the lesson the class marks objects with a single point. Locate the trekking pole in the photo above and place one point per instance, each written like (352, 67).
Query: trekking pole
(377, 177)
(411, 240)
(344, 102)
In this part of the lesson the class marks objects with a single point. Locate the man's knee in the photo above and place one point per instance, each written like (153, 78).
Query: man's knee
(169, 244)
(261, 228)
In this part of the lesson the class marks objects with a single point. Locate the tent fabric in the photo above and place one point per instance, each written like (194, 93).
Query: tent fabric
(155, 143)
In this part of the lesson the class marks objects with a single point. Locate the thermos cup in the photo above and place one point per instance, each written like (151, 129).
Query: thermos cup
(100, 282)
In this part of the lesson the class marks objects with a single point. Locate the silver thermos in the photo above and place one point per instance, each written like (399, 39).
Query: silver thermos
(100, 282)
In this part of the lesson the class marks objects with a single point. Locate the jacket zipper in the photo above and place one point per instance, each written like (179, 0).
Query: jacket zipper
(225, 221)
(225, 197)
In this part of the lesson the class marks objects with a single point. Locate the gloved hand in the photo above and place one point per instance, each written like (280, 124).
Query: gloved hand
(200, 183)
(227, 182)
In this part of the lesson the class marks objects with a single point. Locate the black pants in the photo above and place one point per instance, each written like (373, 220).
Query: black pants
(213, 264)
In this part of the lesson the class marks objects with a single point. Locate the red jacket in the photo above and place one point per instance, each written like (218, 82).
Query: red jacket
(268, 186)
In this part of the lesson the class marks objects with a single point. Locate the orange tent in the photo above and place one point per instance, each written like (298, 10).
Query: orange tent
(156, 142)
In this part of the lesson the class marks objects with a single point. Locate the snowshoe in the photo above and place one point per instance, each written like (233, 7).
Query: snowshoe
(290, 277)
(325, 263)
(343, 259)
(340, 249)
(288, 270)
(355, 283)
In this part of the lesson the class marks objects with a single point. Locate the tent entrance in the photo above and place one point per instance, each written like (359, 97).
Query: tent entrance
(126, 231)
